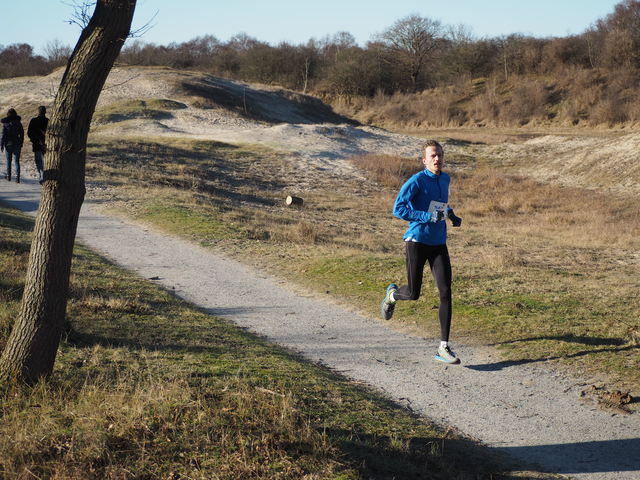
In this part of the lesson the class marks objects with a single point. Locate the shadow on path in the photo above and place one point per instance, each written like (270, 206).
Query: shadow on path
(595, 457)
(568, 338)
(496, 366)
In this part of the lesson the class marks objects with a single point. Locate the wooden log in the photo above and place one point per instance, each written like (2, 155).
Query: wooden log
(291, 200)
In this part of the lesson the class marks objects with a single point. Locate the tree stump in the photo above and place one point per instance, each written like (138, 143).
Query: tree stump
(294, 201)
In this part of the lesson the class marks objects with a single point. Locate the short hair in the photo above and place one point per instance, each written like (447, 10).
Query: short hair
(42, 109)
(432, 143)
(12, 112)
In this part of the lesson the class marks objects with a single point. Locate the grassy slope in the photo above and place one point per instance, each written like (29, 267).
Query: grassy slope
(524, 261)
(145, 386)
(157, 109)
(569, 98)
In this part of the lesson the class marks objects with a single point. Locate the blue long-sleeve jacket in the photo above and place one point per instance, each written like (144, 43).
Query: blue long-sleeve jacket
(412, 205)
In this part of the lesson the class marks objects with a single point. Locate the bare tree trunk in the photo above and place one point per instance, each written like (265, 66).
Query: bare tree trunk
(307, 64)
(33, 343)
(506, 73)
(591, 62)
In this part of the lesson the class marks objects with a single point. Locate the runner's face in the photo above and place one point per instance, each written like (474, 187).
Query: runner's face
(433, 159)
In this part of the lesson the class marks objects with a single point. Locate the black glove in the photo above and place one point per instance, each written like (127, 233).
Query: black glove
(455, 221)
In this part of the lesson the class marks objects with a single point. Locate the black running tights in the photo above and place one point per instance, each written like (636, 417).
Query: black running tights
(438, 257)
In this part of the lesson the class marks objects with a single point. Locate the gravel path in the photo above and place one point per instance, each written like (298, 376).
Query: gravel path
(532, 414)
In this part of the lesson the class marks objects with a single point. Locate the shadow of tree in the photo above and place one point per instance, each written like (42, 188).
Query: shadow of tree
(374, 455)
(15, 222)
(16, 248)
(201, 170)
(385, 457)
(604, 456)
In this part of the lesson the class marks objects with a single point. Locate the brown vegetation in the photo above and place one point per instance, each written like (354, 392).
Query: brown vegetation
(147, 387)
(515, 80)
(570, 249)
(583, 97)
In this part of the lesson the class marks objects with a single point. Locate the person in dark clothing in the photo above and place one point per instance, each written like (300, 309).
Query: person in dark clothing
(36, 133)
(12, 140)
(423, 202)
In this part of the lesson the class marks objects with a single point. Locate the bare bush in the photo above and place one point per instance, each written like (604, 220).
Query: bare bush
(485, 105)
(609, 110)
(620, 36)
(632, 110)
(561, 53)
(442, 108)
(57, 53)
(388, 170)
(584, 90)
(528, 100)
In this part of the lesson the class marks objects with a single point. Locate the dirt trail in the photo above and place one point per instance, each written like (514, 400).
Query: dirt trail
(532, 414)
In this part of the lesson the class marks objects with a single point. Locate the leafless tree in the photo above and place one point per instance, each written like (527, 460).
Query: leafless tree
(57, 53)
(33, 343)
(413, 41)
(620, 35)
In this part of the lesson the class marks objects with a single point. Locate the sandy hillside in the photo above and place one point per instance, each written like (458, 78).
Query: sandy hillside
(213, 108)
(598, 162)
(505, 404)
(222, 110)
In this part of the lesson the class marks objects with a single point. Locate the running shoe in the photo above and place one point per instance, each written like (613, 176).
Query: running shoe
(387, 306)
(446, 355)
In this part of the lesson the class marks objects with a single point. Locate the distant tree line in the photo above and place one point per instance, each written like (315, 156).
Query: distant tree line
(413, 54)
(19, 60)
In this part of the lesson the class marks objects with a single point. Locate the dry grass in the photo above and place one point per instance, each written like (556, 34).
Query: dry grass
(236, 191)
(568, 254)
(147, 387)
(124, 425)
(576, 96)
(388, 170)
(151, 109)
(438, 107)
(572, 217)
(567, 245)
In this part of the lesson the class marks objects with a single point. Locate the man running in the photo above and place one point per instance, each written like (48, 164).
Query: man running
(423, 202)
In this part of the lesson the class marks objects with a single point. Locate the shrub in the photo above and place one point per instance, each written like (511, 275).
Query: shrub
(528, 100)
(388, 170)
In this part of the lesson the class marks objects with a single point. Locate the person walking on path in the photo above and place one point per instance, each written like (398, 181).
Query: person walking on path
(423, 202)
(36, 133)
(12, 140)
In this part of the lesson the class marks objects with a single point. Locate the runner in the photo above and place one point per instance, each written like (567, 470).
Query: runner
(423, 202)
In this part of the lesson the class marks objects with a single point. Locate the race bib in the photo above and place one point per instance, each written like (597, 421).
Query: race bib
(437, 206)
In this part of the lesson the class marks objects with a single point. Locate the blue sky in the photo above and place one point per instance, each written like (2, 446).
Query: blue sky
(39, 21)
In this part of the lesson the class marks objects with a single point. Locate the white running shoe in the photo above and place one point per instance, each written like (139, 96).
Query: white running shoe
(446, 355)
(387, 306)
